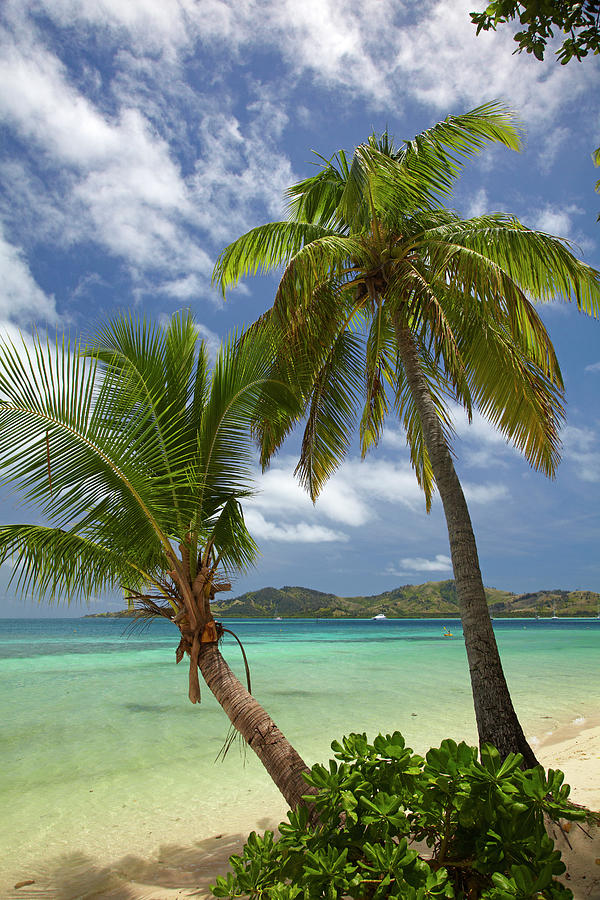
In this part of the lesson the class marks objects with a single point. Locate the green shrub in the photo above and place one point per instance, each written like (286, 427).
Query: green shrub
(482, 820)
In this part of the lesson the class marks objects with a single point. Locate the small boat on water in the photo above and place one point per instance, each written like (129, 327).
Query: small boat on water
(378, 617)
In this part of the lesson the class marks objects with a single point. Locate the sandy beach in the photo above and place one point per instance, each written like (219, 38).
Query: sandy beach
(575, 750)
(175, 871)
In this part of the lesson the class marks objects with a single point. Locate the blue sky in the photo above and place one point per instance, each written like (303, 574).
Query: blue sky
(141, 136)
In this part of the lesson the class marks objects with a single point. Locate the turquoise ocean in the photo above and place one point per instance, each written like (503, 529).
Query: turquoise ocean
(102, 755)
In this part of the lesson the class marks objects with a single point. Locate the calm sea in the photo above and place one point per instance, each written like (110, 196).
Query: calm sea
(102, 754)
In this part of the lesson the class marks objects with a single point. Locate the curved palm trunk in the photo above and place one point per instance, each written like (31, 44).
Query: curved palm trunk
(497, 722)
(257, 728)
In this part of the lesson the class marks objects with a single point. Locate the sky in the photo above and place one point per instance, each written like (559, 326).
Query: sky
(139, 137)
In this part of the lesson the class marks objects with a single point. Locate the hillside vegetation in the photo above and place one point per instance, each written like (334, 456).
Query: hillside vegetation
(434, 599)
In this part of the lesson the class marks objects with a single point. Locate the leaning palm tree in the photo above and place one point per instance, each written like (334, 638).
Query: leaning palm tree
(138, 457)
(393, 302)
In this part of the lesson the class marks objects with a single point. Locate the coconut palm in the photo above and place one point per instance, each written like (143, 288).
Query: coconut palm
(395, 304)
(138, 457)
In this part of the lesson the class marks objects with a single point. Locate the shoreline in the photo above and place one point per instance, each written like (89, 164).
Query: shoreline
(574, 748)
(451, 617)
(168, 871)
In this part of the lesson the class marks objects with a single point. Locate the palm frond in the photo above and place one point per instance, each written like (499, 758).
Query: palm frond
(241, 376)
(436, 156)
(512, 391)
(317, 199)
(263, 249)
(235, 546)
(541, 264)
(51, 444)
(332, 412)
(148, 383)
(440, 390)
(379, 378)
(63, 566)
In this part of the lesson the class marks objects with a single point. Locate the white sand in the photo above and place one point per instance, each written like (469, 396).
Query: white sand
(175, 872)
(575, 750)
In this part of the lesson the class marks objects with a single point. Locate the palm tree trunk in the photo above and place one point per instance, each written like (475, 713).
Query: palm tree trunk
(257, 728)
(497, 722)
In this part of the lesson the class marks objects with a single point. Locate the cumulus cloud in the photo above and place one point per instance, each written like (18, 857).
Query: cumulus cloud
(556, 220)
(446, 63)
(125, 182)
(485, 493)
(21, 299)
(239, 168)
(381, 50)
(359, 494)
(126, 190)
(581, 448)
(298, 533)
(410, 565)
(481, 444)
(478, 204)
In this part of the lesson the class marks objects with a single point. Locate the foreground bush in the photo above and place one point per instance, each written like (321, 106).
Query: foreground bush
(482, 820)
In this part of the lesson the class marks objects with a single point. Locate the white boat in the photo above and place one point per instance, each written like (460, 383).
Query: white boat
(379, 616)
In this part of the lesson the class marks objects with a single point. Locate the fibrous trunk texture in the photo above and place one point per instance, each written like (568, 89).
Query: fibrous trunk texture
(257, 728)
(497, 722)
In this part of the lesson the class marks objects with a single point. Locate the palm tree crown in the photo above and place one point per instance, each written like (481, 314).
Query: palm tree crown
(138, 457)
(130, 447)
(369, 250)
(389, 301)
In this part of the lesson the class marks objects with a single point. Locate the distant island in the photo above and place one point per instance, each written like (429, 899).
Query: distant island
(434, 599)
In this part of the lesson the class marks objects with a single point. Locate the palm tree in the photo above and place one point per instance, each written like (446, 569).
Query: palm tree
(391, 302)
(137, 457)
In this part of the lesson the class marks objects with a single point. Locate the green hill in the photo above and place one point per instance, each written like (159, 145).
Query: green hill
(434, 599)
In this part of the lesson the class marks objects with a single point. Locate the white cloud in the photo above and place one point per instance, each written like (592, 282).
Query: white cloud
(446, 64)
(187, 287)
(578, 440)
(410, 565)
(384, 481)
(122, 184)
(478, 430)
(166, 27)
(339, 501)
(21, 299)
(551, 144)
(581, 448)
(382, 50)
(485, 493)
(358, 494)
(478, 204)
(352, 497)
(556, 220)
(300, 532)
(127, 191)
(593, 367)
(239, 169)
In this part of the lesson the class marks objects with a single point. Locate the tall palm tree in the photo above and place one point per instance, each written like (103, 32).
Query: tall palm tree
(390, 301)
(137, 457)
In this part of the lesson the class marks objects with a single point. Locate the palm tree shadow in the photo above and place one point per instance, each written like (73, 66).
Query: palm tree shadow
(188, 870)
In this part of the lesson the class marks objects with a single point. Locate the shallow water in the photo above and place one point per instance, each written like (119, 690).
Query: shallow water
(102, 753)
